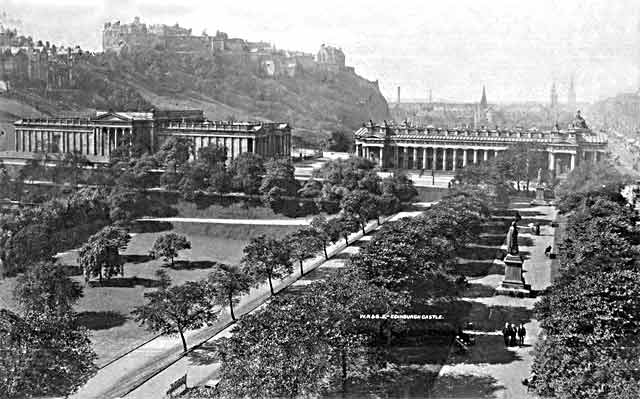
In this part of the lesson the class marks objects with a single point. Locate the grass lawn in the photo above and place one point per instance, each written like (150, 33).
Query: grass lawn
(106, 309)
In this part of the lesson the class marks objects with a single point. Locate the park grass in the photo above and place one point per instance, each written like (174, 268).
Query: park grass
(106, 310)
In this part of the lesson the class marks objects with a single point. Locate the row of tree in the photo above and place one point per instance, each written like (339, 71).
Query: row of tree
(591, 342)
(318, 342)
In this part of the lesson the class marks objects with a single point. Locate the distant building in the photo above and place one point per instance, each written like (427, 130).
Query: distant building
(331, 58)
(429, 148)
(97, 137)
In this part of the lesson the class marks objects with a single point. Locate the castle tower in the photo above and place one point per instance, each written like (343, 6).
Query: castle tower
(483, 100)
(571, 98)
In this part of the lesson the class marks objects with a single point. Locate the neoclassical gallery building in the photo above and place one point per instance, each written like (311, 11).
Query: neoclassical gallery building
(98, 136)
(403, 146)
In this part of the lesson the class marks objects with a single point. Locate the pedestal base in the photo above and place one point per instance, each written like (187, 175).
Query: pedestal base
(539, 197)
(513, 283)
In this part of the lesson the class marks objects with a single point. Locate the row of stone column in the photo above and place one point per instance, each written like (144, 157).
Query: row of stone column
(266, 146)
(99, 142)
(437, 158)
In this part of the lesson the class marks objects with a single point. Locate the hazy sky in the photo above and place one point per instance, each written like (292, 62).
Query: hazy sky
(515, 48)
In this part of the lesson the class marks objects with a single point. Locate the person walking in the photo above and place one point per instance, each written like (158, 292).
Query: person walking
(521, 334)
(506, 334)
(514, 333)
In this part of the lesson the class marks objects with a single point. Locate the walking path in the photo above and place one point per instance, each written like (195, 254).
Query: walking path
(159, 362)
(490, 370)
(255, 222)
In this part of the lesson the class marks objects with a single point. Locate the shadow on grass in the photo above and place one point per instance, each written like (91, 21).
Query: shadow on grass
(463, 386)
(191, 265)
(479, 253)
(478, 268)
(126, 282)
(479, 291)
(101, 320)
(393, 382)
(150, 226)
(136, 258)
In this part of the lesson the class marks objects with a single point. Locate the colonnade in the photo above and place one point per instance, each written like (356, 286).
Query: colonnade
(99, 141)
(267, 146)
(436, 158)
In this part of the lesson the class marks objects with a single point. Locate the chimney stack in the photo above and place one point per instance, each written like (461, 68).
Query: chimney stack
(398, 95)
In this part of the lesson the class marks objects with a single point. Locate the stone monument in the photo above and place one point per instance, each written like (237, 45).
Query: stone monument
(513, 283)
(539, 191)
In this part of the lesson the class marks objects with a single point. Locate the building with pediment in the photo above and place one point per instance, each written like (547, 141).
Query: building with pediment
(404, 146)
(99, 136)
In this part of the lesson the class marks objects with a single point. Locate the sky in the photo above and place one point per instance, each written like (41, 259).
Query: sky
(516, 49)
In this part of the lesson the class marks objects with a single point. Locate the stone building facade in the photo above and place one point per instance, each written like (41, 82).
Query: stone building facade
(97, 137)
(407, 147)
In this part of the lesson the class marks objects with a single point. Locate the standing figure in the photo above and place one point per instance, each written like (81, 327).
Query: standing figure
(537, 229)
(512, 239)
(514, 333)
(521, 334)
(505, 334)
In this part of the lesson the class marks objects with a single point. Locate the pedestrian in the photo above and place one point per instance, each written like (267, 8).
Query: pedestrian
(514, 333)
(505, 334)
(521, 334)
(547, 251)
(537, 229)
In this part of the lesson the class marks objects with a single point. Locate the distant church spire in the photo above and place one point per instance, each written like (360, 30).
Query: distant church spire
(571, 98)
(483, 100)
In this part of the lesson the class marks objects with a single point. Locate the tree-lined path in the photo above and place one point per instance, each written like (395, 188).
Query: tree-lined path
(491, 370)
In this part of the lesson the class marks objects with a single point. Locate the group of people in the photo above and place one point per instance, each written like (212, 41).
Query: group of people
(513, 335)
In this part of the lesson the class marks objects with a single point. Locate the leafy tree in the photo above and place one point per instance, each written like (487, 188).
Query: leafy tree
(100, 256)
(278, 352)
(212, 156)
(311, 189)
(32, 170)
(5, 182)
(362, 205)
(175, 152)
(589, 177)
(168, 246)
(266, 258)
(43, 357)
(400, 186)
(45, 289)
(279, 181)
(136, 174)
(127, 205)
(346, 224)
(327, 231)
(228, 283)
(220, 180)
(178, 309)
(330, 197)
(303, 244)
(247, 170)
(341, 141)
(73, 163)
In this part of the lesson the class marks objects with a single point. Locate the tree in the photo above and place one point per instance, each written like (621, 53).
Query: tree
(5, 182)
(266, 258)
(247, 170)
(219, 180)
(212, 156)
(327, 230)
(304, 244)
(175, 152)
(43, 357)
(178, 309)
(167, 246)
(100, 256)
(362, 205)
(279, 181)
(136, 174)
(73, 163)
(32, 170)
(228, 283)
(45, 289)
(278, 352)
(346, 224)
(400, 186)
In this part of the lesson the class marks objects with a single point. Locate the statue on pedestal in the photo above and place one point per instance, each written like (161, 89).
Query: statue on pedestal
(512, 239)
(539, 177)
(579, 122)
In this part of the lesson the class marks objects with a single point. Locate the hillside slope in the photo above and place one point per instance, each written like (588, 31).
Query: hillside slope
(316, 103)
